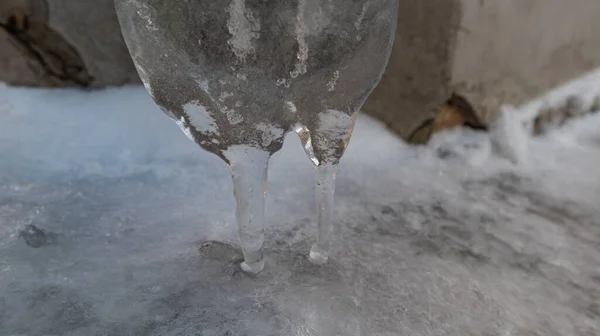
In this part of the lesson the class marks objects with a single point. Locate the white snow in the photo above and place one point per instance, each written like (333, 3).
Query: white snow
(510, 133)
(509, 136)
(586, 88)
(270, 133)
(443, 239)
(200, 118)
(301, 33)
(243, 27)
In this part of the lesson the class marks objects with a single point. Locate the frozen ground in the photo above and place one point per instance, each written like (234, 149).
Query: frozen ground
(105, 207)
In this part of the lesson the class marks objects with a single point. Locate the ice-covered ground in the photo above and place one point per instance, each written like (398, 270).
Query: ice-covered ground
(105, 209)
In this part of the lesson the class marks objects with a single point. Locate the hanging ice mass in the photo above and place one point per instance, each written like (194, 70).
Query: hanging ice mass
(237, 75)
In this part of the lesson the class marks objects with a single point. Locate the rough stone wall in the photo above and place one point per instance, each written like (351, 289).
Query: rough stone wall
(489, 52)
(62, 43)
(511, 51)
(416, 81)
(93, 28)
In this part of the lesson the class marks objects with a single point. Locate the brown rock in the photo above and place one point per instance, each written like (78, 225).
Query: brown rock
(455, 112)
(449, 117)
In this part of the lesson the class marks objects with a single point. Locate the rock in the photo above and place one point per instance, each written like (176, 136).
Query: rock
(92, 28)
(62, 43)
(489, 52)
(415, 84)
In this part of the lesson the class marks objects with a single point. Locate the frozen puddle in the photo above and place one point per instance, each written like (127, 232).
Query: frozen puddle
(113, 223)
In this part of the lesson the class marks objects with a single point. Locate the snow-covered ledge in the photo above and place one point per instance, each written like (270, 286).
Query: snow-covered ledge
(511, 131)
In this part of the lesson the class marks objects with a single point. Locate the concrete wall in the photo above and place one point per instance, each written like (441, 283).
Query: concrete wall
(491, 52)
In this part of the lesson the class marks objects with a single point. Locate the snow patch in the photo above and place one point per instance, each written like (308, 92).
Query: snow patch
(200, 118)
(270, 133)
(291, 107)
(301, 32)
(465, 145)
(243, 27)
(509, 136)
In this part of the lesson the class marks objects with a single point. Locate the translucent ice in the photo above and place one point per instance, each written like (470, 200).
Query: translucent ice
(237, 75)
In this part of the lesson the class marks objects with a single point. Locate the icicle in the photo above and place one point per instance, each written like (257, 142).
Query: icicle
(248, 168)
(325, 190)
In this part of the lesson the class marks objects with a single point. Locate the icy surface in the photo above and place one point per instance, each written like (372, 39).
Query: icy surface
(113, 223)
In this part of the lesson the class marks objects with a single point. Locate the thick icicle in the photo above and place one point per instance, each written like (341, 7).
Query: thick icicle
(324, 195)
(325, 190)
(249, 168)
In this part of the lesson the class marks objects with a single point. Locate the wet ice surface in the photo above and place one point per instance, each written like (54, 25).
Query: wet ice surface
(107, 213)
